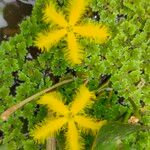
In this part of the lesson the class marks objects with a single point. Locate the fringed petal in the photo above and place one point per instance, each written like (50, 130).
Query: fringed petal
(87, 124)
(46, 40)
(77, 8)
(47, 128)
(50, 14)
(82, 99)
(73, 53)
(74, 141)
(97, 32)
(54, 102)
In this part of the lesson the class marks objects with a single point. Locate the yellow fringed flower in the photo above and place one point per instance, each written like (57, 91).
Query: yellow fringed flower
(71, 28)
(71, 117)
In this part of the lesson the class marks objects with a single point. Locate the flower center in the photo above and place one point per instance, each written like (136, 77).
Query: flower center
(70, 116)
(69, 28)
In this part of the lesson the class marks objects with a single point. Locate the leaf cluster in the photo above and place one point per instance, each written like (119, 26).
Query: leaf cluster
(123, 61)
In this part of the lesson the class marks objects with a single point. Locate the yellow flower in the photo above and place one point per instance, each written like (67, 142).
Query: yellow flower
(70, 28)
(71, 117)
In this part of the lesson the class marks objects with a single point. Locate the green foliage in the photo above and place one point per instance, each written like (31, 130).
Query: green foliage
(113, 136)
(123, 61)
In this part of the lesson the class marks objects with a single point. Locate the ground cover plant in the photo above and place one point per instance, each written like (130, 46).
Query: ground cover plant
(106, 69)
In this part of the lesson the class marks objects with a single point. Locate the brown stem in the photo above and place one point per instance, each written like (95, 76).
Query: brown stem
(5, 115)
(51, 144)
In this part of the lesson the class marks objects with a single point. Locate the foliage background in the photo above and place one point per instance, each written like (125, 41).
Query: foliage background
(123, 61)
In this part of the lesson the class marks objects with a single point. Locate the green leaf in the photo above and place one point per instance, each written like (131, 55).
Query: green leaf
(3, 147)
(110, 135)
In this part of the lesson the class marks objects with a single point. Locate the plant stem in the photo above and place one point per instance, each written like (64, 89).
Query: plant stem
(5, 115)
(103, 87)
(135, 108)
(51, 144)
